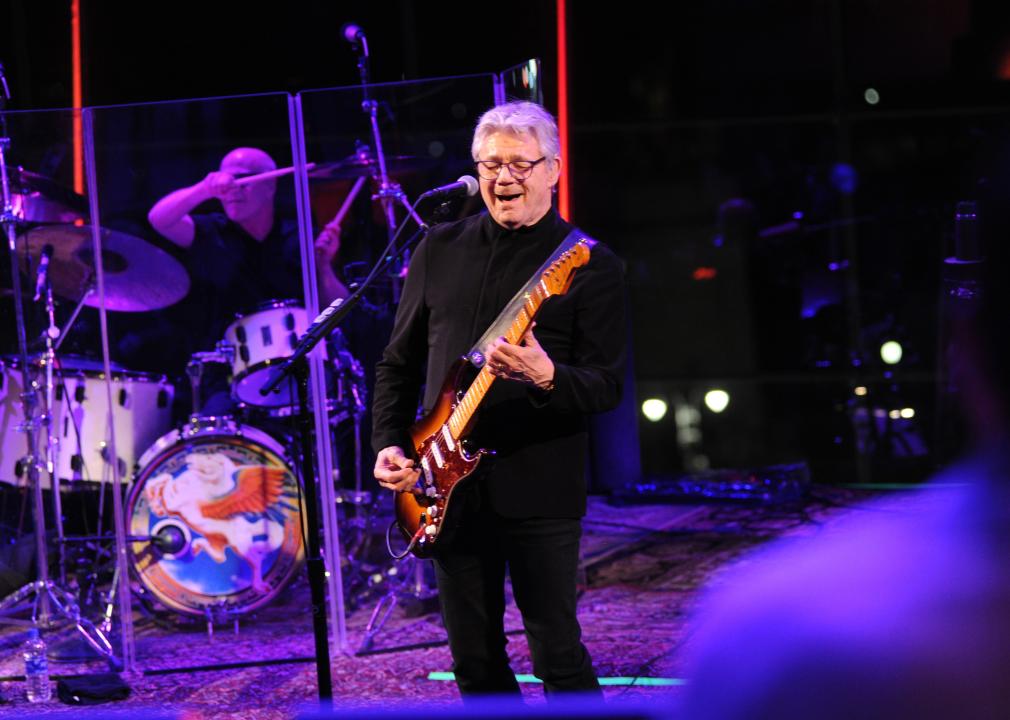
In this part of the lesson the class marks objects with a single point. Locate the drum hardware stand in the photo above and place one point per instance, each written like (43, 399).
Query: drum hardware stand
(47, 594)
(224, 352)
(411, 585)
(219, 613)
(389, 191)
(89, 289)
(52, 438)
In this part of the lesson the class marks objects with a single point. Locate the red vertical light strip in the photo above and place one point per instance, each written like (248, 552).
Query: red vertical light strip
(564, 186)
(78, 100)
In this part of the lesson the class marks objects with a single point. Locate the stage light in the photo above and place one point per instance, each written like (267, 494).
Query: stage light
(871, 96)
(894, 414)
(890, 352)
(716, 400)
(844, 178)
(654, 409)
(860, 391)
(908, 413)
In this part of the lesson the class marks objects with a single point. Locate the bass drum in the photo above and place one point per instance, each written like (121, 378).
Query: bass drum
(215, 519)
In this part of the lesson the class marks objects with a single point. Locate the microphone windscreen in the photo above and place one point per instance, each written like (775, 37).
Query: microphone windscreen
(351, 32)
(472, 186)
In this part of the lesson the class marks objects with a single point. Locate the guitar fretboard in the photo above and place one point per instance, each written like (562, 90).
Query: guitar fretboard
(464, 411)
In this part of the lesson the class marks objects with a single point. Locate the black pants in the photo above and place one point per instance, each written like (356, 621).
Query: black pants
(542, 556)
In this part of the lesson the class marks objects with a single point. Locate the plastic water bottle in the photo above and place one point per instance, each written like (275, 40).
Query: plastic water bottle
(36, 668)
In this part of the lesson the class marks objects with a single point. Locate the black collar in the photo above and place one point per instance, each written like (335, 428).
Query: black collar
(543, 226)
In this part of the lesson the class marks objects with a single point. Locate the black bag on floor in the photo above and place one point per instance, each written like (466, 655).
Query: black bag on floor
(92, 689)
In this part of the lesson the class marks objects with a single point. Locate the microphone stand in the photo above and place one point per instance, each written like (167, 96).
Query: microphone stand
(296, 367)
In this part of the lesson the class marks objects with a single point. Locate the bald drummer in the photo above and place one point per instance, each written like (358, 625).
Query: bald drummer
(247, 205)
(244, 254)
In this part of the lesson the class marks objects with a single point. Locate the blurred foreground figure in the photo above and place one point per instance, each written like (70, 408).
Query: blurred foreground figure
(899, 614)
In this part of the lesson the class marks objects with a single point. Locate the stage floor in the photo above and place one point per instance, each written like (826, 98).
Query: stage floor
(643, 568)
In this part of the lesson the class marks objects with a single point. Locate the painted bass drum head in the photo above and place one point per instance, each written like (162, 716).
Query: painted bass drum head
(220, 511)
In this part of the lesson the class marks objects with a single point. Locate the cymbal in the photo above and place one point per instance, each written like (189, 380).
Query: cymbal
(39, 199)
(365, 164)
(138, 275)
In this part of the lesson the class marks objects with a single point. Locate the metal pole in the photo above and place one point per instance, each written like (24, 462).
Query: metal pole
(28, 396)
(119, 519)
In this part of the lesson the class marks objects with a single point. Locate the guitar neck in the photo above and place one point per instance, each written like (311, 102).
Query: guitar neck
(461, 416)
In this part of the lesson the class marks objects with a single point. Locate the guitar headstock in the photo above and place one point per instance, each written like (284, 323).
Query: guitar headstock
(558, 277)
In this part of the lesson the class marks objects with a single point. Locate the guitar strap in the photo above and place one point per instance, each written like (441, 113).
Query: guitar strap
(508, 314)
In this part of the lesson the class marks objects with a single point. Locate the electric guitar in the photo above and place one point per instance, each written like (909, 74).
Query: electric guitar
(440, 437)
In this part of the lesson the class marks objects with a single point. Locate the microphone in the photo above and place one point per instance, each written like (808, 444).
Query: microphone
(169, 539)
(466, 185)
(352, 33)
(42, 273)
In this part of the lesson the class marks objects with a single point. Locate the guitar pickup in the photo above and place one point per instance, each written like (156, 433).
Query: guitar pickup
(447, 435)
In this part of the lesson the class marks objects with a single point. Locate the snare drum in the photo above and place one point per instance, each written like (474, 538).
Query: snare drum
(261, 339)
(220, 510)
(141, 411)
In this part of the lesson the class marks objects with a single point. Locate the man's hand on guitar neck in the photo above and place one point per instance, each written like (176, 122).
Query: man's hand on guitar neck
(394, 470)
(527, 363)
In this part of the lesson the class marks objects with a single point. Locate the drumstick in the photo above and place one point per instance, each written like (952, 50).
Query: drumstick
(339, 217)
(248, 179)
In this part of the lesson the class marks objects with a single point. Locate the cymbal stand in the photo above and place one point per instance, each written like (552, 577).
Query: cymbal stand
(389, 192)
(51, 425)
(47, 594)
(89, 289)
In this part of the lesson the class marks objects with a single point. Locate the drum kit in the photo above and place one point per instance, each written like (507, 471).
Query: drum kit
(218, 518)
(214, 506)
(220, 509)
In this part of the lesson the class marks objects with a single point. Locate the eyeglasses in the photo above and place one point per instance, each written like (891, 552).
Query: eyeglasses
(518, 169)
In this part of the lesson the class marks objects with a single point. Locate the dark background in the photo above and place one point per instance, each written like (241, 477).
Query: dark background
(731, 137)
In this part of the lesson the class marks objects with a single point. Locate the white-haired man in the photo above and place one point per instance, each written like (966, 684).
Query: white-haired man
(523, 507)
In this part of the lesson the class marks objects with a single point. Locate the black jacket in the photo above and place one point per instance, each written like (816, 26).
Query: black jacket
(460, 278)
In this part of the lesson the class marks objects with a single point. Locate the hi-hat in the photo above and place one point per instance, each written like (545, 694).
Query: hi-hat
(138, 275)
(36, 198)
